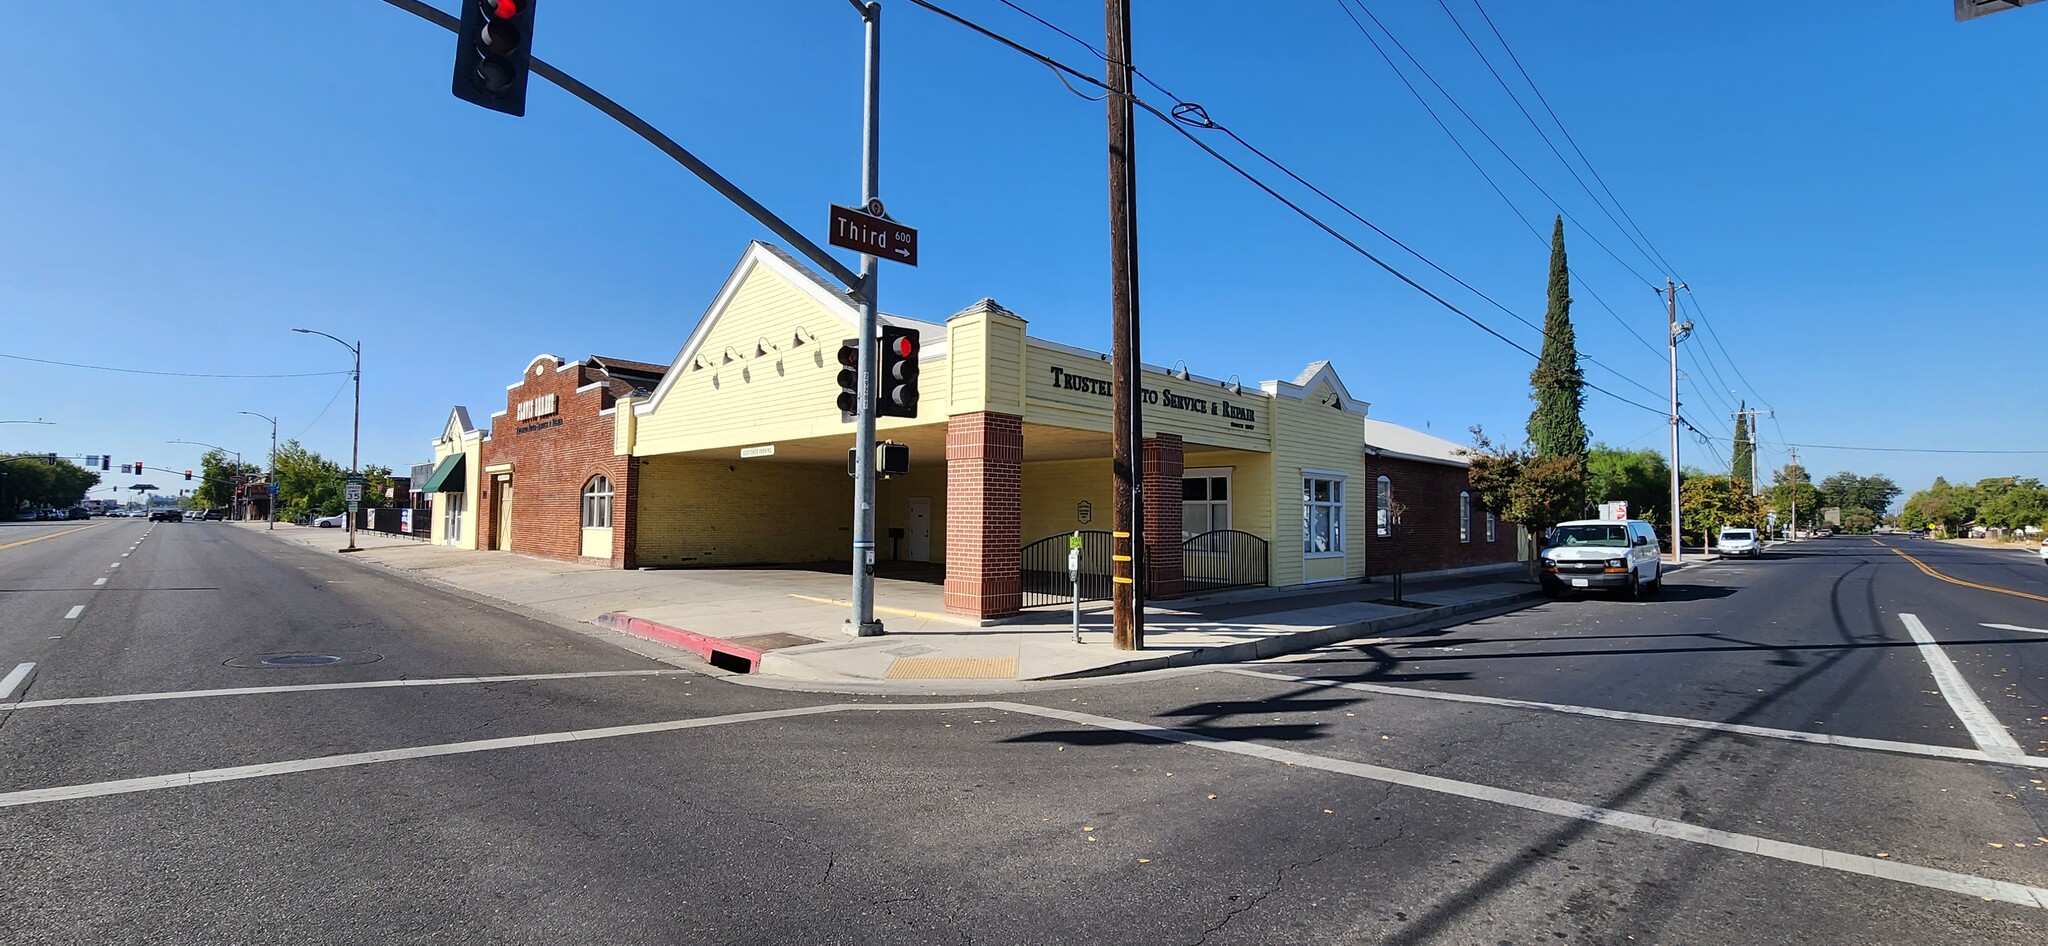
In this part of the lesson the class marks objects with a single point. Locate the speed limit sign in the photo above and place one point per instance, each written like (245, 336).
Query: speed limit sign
(353, 493)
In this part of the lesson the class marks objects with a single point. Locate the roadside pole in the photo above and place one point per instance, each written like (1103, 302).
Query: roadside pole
(1677, 332)
(862, 623)
(1127, 590)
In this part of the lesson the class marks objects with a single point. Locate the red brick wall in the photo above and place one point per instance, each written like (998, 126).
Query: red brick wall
(1163, 463)
(551, 462)
(1428, 539)
(984, 514)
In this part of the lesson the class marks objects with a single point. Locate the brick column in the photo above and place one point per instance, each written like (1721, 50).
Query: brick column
(1163, 465)
(984, 514)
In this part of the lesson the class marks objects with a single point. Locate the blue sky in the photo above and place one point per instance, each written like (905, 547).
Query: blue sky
(1851, 194)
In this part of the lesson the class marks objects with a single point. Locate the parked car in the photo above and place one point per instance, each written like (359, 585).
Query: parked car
(78, 512)
(26, 515)
(1589, 554)
(215, 514)
(335, 521)
(2044, 551)
(1740, 542)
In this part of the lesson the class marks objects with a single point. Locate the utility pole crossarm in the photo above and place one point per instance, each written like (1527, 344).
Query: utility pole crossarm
(668, 146)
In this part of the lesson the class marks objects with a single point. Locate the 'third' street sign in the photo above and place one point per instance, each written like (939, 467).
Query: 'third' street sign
(873, 234)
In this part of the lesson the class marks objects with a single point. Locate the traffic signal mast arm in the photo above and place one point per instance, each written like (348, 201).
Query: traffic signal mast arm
(782, 230)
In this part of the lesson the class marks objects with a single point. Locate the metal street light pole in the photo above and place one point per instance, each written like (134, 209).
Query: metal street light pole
(271, 486)
(356, 437)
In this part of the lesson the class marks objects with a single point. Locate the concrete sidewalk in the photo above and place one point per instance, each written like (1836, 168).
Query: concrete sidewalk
(785, 622)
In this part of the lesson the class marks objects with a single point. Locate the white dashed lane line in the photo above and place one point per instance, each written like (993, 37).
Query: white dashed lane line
(14, 678)
(76, 610)
(1983, 727)
(100, 580)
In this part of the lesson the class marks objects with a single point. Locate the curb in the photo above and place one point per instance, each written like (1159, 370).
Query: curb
(1291, 643)
(716, 651)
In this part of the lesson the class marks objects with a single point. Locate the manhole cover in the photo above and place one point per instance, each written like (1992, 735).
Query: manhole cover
(261, 661)
(300, 660)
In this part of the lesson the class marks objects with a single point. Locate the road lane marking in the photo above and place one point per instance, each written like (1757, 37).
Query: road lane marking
(76, 610)
(1931, 573)
(14, 678)
(51, 535)
(1791, 735)
(2015, 627)
(1984, 727)
(314, 687)
(115, 565)
(100, 580)
(1967, 884)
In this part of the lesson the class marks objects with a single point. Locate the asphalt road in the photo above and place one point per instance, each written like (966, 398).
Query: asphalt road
(1765, 754)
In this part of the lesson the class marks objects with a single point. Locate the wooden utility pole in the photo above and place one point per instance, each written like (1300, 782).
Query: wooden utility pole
(1127, 595)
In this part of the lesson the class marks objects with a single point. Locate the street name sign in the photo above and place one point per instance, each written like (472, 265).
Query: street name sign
(871, 233)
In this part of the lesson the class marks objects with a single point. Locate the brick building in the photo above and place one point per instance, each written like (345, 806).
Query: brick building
(736, 454)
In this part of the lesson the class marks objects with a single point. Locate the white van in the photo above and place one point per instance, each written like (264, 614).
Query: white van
(1740, 540)
(1586, 554)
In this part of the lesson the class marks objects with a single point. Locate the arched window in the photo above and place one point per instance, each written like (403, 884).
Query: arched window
(1384, 510)
(597, 503)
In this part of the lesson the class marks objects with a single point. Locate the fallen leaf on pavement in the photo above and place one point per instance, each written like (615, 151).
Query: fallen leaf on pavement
(1996, 844)
(1144, 860)
(1212, 798)
(1882, 854)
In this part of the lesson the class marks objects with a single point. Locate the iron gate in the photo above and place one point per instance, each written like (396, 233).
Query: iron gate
(1045, 569)
(1225, 558)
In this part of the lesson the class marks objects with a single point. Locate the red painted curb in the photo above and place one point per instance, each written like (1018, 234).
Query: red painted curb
(703, 645)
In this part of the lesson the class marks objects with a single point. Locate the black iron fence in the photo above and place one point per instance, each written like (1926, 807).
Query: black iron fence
(410, 522)
(1225, 558)
(1045, 569)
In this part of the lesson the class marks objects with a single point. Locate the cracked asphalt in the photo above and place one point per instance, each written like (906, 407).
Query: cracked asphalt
(970, 823)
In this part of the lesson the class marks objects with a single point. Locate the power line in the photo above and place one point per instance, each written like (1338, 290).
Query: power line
(1937, 450)
(1175, 124)
(172, 374)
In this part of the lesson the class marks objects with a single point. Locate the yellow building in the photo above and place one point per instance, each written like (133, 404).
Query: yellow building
(739, 457)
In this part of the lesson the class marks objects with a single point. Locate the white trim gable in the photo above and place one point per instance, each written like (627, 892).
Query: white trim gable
(457, 426)
(794, 273)
(1316, 374)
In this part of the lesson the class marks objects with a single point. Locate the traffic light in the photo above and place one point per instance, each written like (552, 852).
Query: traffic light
(897, 374)
(849, 377)
(138, 466)
(106, 463)
(188, 475)
(491, 53)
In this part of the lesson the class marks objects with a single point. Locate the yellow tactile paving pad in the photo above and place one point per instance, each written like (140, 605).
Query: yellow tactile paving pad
(953, 668)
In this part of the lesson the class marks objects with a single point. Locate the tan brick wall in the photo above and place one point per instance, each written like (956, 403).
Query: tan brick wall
(715, 512)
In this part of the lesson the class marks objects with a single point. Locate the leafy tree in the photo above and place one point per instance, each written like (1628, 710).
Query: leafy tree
(2016, 503)
(218, 475)
(1534, 491)
(1791, 491)
(28, 479)
(1745, 450)
(1872, 494)
(307, 483)
(1640, 478)
(1712, 501)
(1556, 428)
(1941, 504)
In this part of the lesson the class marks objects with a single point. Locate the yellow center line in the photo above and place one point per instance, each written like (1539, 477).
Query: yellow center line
(52, 535)
(1931, 573)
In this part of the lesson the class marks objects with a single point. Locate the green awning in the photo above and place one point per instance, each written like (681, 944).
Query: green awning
(447, 477)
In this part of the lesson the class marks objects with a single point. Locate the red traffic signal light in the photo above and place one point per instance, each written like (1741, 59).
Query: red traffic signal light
(188, 474)
(492, 49)
(897, 385)
(849, 377)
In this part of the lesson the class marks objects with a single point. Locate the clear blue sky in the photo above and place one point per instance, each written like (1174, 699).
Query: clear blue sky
(1852, 193)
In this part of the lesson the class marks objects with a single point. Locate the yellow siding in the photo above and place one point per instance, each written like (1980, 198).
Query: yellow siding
(966, 361)
(787, 394)
(472, 474)
(892, 508)
(1003, 373)
(703, 512)
(1251, 497)
(1309, 435)
(624, 426)
(1054, 488)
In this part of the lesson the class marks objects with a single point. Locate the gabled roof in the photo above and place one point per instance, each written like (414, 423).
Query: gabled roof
(827, 294)
(1316, 373)
(1394, 440)
(458, 423)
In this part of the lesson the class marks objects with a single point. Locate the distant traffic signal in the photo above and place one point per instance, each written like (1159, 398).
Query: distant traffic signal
(106, 463)
(188, 474)
(491, 54)
(896, 384)
(849, 377)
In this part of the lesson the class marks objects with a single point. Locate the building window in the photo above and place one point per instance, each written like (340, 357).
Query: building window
(1322, 515)
(597, 503)
(1489, 525)
(1383, 509)
(1464, 517)
(1204, 502)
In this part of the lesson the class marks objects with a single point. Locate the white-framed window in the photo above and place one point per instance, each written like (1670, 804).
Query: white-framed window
(1322, 514)
(1464, 517)
(1383, 509)
(1204, 501)
(597, 503)
(1489, 525)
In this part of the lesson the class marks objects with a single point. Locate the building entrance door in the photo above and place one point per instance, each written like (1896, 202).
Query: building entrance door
(501, 520)
(451, 516)
(917, 544)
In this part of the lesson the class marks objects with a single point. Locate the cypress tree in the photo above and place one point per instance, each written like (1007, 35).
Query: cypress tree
(1557, 385)
(1745, 449)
